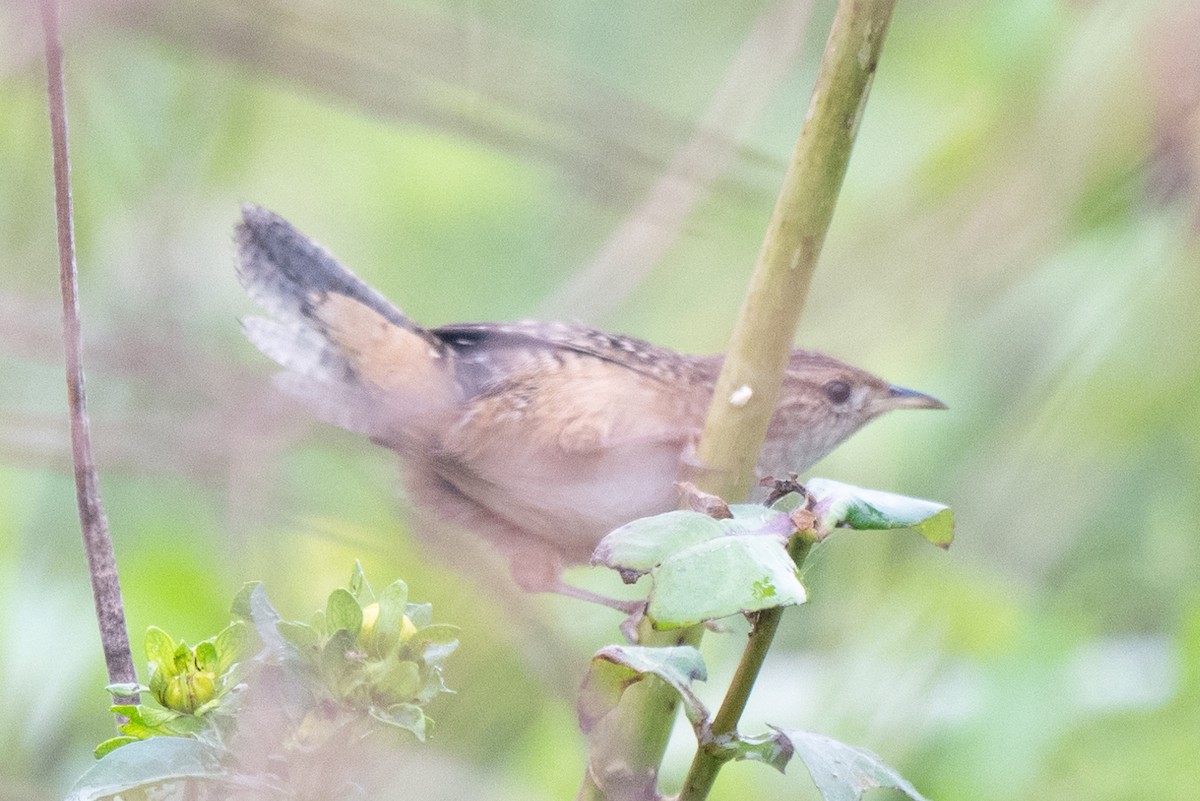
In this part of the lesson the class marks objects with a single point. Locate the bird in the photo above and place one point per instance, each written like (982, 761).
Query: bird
(541, 437)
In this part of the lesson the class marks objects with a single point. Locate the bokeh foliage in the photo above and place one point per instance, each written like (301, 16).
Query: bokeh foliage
(1017, 235)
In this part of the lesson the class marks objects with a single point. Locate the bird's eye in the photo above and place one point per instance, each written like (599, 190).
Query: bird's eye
(837, 391)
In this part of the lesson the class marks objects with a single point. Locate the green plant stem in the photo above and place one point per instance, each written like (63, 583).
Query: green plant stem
(759, 349)
(762, 340)
(761, 343)
(637, 736)
(711, 755)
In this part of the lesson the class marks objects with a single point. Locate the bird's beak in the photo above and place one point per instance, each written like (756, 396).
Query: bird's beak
(901, 398)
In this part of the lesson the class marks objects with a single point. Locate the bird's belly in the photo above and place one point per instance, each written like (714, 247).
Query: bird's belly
(570, 501)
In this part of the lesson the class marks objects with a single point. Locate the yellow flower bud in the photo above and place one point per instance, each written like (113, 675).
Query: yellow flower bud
(370, 616)
(188, 691)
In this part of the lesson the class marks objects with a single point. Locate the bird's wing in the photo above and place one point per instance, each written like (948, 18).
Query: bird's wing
(568, 432)
(488, 354)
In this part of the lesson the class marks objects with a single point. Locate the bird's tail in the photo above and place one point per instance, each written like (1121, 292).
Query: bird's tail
(350, 354)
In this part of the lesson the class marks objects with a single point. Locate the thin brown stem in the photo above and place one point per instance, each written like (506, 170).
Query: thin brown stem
(102, 565)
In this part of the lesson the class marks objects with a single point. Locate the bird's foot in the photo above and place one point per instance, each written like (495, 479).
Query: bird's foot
(634, 610)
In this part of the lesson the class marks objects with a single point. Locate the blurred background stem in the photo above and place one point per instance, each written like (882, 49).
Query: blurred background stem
(102, 563)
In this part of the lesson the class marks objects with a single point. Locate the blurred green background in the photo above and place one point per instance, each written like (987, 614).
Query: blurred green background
(1017, 235)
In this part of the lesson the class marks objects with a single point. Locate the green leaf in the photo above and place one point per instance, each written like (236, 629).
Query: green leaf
(409, 717)
(637, 547)
(723, 577)
(616, 667)
(749, 517)
(126, 689)
(397, 681)
(754, 518)
(229, 695)
(185, 659)
(773, 749)
(703, 568)
(434, 685)
(301, 635)
(159, 679)
(359, 587)
(872, 510)
(160, 650)
(231, 644)
(844, 772)
(112, 744)
(147, 764)
(435, 653)
(185, 725)
(240, 606)
(206, 656)
(333, 656)
(393, 602)
(153, 716)
(634, 548)
(252, 605)
(342, 612)
(149, 721)
(790, 502)
(135, 726)
(420, 614)
(442, 633)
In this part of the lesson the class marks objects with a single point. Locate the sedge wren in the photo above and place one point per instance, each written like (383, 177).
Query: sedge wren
(541, 437)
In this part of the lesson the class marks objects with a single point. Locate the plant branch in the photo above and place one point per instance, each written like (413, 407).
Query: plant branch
(102, 565)
(761, 342)
(628, 745)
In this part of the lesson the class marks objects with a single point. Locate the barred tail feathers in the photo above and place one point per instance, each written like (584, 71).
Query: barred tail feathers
(351, 356)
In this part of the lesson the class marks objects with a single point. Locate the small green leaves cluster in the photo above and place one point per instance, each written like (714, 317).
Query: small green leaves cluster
(841, 772)
(190, 685)
(742, 559)
(308, 700)
(191, 681)
(846, 506)
(377, 654)
(682, 550)
(704, 568)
